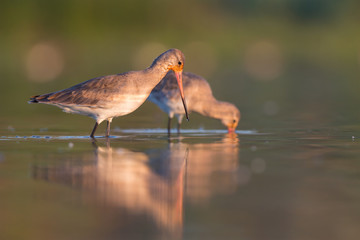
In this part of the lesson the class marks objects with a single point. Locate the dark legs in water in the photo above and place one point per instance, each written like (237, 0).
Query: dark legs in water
(178, 127)
(94, 130)
(107, 129)
(169, 126)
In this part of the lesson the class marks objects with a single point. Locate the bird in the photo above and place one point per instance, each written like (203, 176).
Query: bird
(199, 97)
(106, 97)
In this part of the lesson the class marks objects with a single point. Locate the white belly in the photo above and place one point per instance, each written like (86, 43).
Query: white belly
(170, 106)
(119, 106)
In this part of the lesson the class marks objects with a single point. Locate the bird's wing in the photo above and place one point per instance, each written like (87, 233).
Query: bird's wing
(88, 93)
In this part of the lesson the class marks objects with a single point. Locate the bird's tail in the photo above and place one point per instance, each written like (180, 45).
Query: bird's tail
(39, 98)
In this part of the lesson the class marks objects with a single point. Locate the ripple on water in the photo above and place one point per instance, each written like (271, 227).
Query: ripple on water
(156, 131)
(184, 131)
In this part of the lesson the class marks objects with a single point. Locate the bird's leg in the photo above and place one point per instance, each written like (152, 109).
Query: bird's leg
(178, 127)
(108, 142)
(169, 125)
(108, 128)
(179, 117)
(94, 129)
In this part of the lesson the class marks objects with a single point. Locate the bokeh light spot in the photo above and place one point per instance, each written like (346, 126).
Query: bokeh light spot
(44, 62)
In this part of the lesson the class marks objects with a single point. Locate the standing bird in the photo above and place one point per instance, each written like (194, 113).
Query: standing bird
(199, 97)
(104, 98)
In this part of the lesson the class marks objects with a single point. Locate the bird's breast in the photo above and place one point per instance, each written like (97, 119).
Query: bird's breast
(125, 103)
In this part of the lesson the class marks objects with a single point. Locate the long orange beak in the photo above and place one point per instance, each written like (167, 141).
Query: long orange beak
(178, 75)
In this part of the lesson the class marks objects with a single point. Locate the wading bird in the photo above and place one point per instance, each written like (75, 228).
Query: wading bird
(199, 98)
(104, 98)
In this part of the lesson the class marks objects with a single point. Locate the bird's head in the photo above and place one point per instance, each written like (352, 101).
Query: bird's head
(173, 59)
(231, 118)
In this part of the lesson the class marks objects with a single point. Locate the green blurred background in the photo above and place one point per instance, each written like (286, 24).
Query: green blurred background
(278, 61)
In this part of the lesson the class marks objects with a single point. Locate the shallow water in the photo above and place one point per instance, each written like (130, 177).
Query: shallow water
(202, 184)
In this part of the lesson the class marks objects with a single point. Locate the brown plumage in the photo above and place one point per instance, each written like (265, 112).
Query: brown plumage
(93, 92)
(104, 98)
(199, 97)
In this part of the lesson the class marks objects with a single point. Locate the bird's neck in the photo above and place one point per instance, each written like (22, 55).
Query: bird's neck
(155, 73)
(212, 108)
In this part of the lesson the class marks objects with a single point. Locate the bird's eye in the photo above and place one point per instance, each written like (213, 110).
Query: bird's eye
(179, 63)
(234, 121)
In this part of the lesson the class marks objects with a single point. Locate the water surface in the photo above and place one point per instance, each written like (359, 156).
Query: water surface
(202, 184)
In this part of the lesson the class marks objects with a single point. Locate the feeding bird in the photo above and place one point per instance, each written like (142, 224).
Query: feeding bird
(104, 98)
(199, 98)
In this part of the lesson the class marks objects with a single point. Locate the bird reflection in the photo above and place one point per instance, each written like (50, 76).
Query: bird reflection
(149, 183)
(212, 168)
